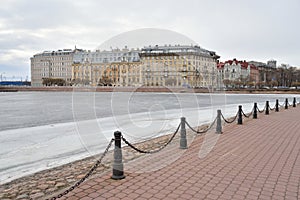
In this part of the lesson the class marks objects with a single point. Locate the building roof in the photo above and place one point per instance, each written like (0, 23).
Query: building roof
(55, 53)
(243, 63)
(220, 65)
(178, 49)
(253, 67)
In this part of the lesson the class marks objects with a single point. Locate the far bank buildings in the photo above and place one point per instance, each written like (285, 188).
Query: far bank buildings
(168, 65)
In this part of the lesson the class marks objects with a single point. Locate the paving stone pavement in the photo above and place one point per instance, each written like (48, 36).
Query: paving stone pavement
(257, 160)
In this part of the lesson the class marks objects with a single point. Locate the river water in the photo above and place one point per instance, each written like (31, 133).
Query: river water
(41, 130)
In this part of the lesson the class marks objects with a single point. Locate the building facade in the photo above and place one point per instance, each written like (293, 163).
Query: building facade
(267, 72)
(234, 72)
(107, 68)
(254, 74)
(187, 66)
(178, 66)
(52, 65)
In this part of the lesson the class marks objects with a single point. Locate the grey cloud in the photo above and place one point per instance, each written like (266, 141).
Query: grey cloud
(37, 14)
(232, 28)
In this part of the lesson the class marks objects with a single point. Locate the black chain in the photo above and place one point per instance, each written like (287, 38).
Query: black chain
(247, 116)
(98, 162)
(261, 111)
(229, 122)
(272, 108)
(154, 151)
(200, 132)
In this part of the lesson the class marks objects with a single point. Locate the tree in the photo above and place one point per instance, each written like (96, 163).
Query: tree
(273, 83)
(46, 81)
(296, 84)
(75, 81)
(237, 84)
(250, 84)
(227, 82)
(105, 81)
(53, 82)
(260, 84)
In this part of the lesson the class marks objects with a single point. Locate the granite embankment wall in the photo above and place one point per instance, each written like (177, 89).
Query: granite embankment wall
(145, 89)
(103, 89)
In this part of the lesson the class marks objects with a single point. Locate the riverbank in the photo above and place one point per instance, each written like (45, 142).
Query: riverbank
(53, 181)
(146, 89)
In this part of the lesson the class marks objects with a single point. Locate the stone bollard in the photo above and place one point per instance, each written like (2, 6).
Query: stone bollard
(118, 169)
(294, 102)
(277, 106)
(255, 111)
(240, 115)
(219, 122)
(286, 103)
(183, 141)
(267, 108)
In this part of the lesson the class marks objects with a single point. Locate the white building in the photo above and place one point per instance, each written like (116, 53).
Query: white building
(117, 67)
(114, 55)
(233, 70)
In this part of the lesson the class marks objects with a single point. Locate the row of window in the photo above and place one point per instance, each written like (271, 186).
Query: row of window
(62, 75)
(189, 57)
(48, 63)
(54, 58)
(107, 54)
(111, 59)
(177, 64)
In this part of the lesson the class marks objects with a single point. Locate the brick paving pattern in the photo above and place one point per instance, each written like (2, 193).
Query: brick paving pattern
(257, 160)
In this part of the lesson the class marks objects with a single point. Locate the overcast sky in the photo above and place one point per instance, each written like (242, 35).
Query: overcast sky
(247, 30)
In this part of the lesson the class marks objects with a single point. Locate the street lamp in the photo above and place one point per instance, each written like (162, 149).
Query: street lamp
(197, 73)
(1, 75)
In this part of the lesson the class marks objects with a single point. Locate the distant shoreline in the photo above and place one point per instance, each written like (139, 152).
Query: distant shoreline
(145, 89)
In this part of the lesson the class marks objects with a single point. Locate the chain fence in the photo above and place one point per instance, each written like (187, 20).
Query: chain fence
(249, 115)
(282, 105)
(261, 111)
(220, 115)
(227, 121)
(272, 108)
(204, 131)
(153, 151)
(95, 166)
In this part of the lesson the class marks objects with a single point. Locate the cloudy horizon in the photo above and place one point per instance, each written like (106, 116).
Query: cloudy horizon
(246, 30)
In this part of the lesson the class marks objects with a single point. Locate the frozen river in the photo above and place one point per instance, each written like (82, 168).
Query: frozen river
(40, 130)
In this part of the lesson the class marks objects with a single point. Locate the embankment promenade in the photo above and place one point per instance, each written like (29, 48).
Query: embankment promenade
(259, 159)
